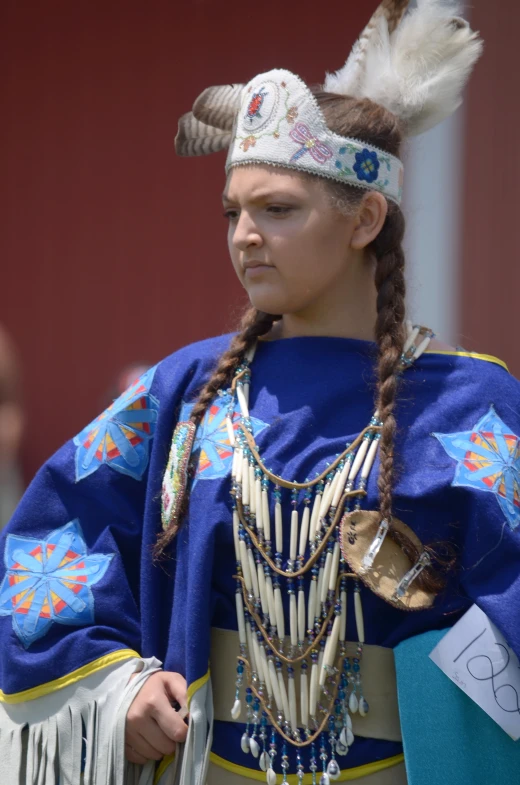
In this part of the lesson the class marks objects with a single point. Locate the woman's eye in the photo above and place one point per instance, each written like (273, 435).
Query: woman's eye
(278, 209)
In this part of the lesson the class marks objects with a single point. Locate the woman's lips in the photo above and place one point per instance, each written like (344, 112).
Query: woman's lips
(254, 267)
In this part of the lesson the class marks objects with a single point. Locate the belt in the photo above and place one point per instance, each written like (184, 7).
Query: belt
(378, 678)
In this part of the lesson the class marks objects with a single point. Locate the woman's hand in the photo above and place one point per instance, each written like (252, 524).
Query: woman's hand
(153, 726)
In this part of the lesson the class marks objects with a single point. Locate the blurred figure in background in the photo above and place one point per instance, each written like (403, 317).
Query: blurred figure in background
(11, 428)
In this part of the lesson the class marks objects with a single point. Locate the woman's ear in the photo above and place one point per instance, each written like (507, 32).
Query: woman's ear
(369, 220)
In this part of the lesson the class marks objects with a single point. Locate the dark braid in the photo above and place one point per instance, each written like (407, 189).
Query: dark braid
(364, 120)
(253, 325)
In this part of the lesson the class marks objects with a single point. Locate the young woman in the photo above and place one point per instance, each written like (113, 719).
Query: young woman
(338, 481)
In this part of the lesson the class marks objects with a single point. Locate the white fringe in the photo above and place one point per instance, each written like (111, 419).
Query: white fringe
(41, 740)
(190, 765)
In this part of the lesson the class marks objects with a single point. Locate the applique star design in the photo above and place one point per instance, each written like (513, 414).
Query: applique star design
(48, 581)
(120, 437)
(212, 445)
(488, 459)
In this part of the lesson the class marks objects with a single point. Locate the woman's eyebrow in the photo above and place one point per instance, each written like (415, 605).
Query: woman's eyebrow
(261, 196)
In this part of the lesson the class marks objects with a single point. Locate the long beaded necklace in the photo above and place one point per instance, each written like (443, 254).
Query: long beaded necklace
(330, 683)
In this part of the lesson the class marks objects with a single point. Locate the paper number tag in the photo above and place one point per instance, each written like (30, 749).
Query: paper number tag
(476, 657)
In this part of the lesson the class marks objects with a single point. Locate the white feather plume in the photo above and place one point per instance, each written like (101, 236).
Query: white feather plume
(419, 71)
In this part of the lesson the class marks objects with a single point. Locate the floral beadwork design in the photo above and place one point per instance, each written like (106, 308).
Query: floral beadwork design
(48, 581)
(488, 459)
(367, 165)
(292, 114)
(120, 437)
(309, 144)
(212, 452)
(248, 142)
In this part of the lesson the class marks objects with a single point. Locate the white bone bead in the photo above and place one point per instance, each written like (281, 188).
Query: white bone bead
(283, 693)
(341, 483)
(304, 531)
(258, 505)
(242, 637)
(294, 535)
(304, 698)
(262, 588)
(369, 460)
(234, 464)
(252, 571)
(236, 538)
(320, 663)
(270, 599)
(278, 609)
(245, 387)
(252, 498)
(275, 687)
(245, 482)
(333, 577)
(325, 502)
(264, 668)
(330, 649)
(326, 577)
(343, 625)
(358, 460)
(252, 650)
(317, 609)
(314, 517)
(251, 353)
(334, 487)
(293, 619)
(240, 459)
(278, 527)
(301, 615)
(242, 402)
(231, 432)
(422, 347)
(411, 338)
(360, 624)
(266, 518)
(244, 563)
(311, 608)
(313, 692)
(292, 703)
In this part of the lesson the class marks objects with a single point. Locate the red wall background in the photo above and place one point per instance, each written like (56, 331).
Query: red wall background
(113, 250)
(490, 258)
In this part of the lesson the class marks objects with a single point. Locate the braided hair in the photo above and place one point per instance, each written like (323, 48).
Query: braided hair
(366, 121)
(253, 325)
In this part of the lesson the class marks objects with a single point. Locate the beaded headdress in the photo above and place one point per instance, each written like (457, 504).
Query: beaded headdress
(413, 64)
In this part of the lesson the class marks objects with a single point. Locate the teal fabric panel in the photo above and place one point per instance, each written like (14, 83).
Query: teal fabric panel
(447, 738)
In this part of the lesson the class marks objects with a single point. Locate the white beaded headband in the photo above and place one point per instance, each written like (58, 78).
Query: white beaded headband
(413, 62)
(280, 123)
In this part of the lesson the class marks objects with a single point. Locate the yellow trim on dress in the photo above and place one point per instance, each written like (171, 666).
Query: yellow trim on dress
(292, 779)
(69, 678)
(163, 765)
(476, 356)
(196, 685)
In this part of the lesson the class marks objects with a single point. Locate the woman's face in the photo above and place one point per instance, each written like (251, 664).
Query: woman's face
(289, 247)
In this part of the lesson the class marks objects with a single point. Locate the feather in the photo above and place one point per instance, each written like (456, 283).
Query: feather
(347, 79)
(420, 70)
(217, 106)
(197, 138)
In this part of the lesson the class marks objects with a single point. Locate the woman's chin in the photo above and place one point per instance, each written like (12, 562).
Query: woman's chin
(266, 301)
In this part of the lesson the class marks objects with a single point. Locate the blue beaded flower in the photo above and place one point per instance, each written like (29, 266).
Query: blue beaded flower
(367, 166)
